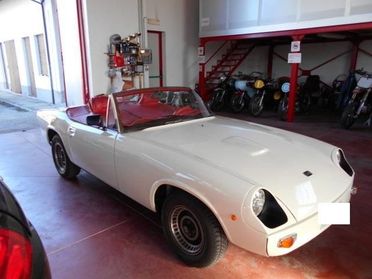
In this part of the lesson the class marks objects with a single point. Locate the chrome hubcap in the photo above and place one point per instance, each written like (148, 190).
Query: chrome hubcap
(186, 230)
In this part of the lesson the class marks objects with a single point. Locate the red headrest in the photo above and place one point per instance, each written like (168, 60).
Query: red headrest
(98, 104)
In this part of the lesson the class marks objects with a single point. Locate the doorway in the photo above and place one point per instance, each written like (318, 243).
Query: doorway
(29, 67)
(15, 82)
(156, 72)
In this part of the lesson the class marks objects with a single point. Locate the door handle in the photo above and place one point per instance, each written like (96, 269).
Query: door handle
(71, 131)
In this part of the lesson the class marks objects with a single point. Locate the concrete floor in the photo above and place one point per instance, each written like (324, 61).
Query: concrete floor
(18, 113)
(91, 231)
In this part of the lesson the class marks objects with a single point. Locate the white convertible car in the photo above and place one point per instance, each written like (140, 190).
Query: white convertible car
(211, 179)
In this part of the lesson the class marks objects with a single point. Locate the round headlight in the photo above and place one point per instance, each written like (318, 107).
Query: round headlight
(258, 84)
(258, 201)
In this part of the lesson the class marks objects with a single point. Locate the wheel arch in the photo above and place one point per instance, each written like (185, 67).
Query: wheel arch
(50, 134)
(161, 190)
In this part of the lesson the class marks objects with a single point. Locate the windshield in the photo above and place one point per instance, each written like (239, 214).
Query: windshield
(140, 109)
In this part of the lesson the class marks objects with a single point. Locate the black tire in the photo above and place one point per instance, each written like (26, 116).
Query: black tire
(192, 230)
(217, 105)
(236, 104)
(283, 108)
(254, 106)
(62, 162)
(348, 116)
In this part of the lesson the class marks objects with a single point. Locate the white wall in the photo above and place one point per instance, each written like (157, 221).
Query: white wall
(104, 19)
(51, 17)
(179, 21)
(230, 17)
(256, 61)
(313, 55)
(19, 18)
(70, 44)
(365, 61)
(23, 18)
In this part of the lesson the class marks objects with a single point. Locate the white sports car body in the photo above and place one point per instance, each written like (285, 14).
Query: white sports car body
(257, 186)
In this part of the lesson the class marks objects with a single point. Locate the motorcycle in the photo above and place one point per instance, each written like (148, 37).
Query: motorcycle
(245, 90)
(360, 102)
(256, 103)
(302, 103)
(221, 93)
(274, 92)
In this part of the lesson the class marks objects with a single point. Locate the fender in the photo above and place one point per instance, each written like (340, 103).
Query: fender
(192, 191)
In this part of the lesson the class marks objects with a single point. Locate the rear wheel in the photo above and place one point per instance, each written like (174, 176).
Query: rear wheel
(62, 162)
(348, 116)
(192, 230)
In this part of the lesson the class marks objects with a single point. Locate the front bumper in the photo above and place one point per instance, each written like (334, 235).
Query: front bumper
(305, 231)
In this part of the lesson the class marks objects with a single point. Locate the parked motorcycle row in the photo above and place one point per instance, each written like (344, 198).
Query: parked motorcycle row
(252, 92)
(349, 95)
(358, 101)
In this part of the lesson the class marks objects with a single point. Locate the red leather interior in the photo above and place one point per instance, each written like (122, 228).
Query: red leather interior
(98, 104)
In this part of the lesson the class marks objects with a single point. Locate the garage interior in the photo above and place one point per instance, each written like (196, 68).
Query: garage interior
(90, 230)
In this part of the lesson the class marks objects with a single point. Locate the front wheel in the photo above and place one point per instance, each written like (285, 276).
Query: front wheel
(62, 162)
(237, 103)
(349, 116)
(255, 106)
(283, 108)
(217, 102)
(192, 230)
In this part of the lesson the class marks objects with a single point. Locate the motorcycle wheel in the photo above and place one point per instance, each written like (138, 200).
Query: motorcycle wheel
(217, 105)
(237, 104)
(254, 107)
(348, 116)
(283, 108)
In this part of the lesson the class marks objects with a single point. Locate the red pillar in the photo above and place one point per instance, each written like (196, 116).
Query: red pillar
(202, 83)
(293, 89)
(292, 92)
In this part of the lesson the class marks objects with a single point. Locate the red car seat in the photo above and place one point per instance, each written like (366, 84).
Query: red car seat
(98, 104)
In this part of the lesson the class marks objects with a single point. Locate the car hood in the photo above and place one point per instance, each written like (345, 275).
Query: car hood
(263, 156)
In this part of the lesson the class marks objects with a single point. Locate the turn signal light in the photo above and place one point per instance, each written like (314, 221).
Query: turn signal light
(287, 241)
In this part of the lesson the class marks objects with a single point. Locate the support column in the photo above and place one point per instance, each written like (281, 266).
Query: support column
(293, 88)
(292, 92)
(202, 82)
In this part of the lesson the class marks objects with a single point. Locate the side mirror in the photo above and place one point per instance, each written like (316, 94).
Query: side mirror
(94, 120)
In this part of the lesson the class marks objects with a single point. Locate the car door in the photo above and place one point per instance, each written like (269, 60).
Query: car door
(136, 169)
(92, 149)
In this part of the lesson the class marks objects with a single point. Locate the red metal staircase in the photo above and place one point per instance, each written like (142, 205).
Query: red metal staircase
(233, 56)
